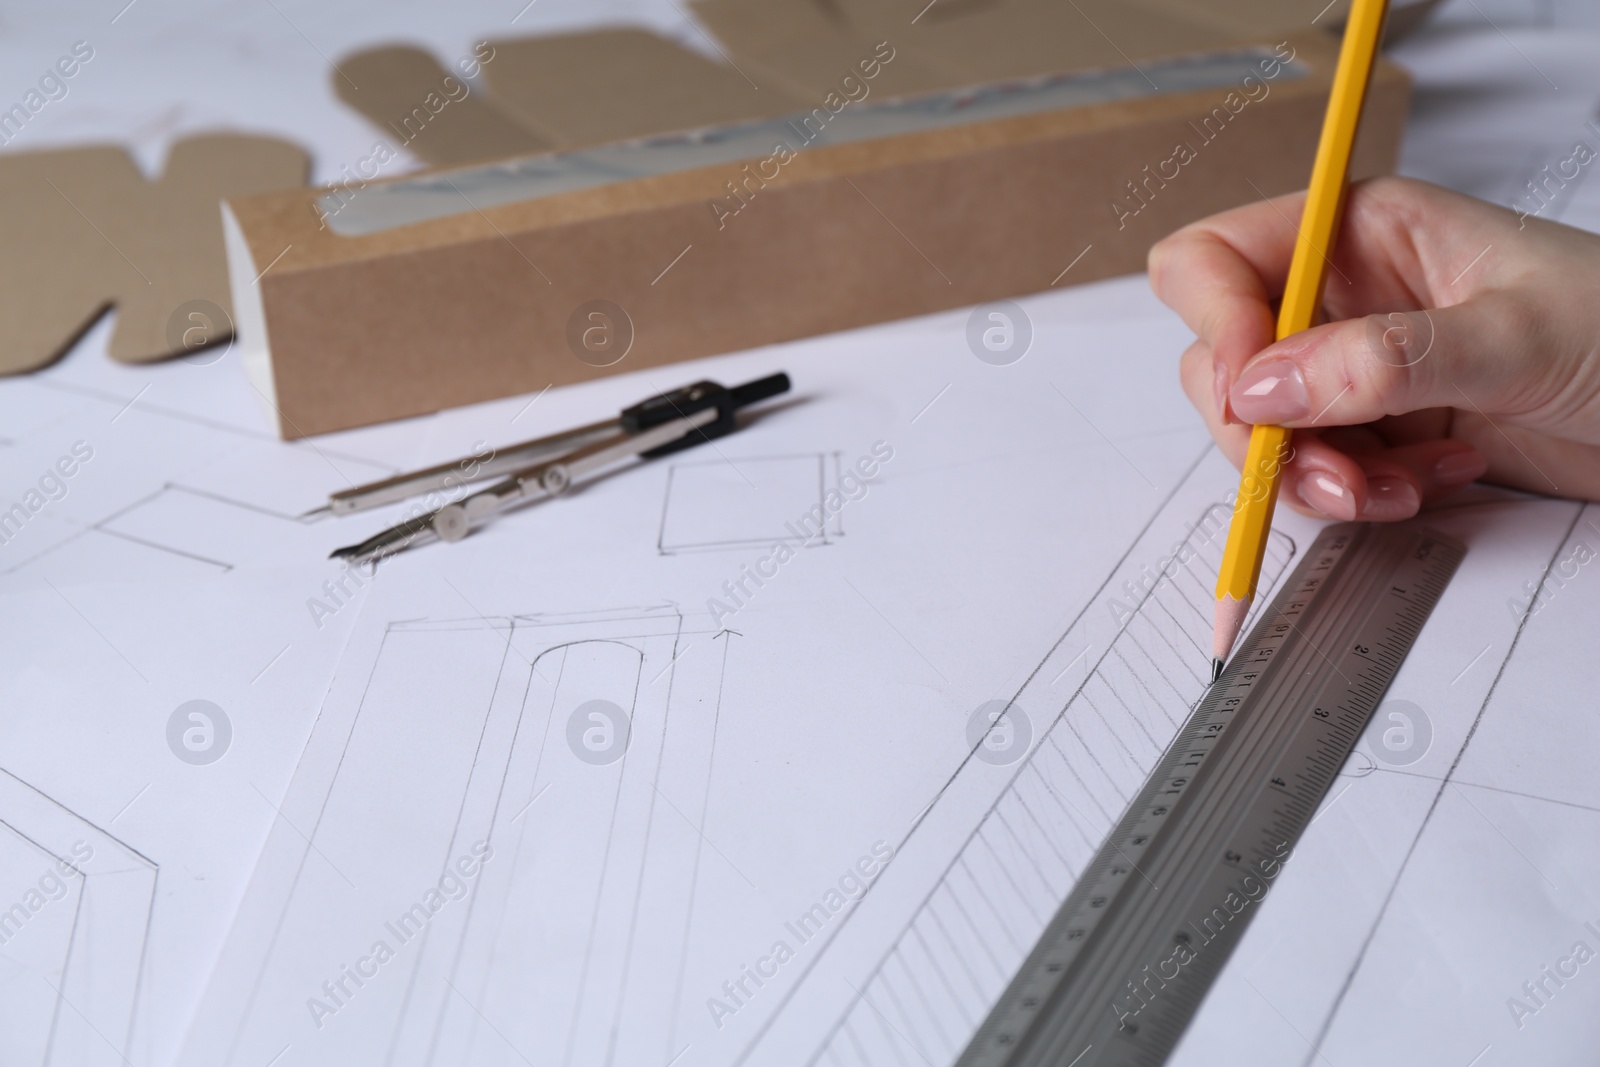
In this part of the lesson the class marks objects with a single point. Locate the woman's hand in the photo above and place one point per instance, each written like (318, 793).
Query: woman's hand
(1466, 345)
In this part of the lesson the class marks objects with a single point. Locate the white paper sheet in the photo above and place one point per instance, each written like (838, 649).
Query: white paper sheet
(1398, 936)
(609, 934)
(157, 812)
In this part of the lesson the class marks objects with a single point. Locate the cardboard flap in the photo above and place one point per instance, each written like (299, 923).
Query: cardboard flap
(1261, 17)
(85, 230)
(952, 44)
(424, 107)
(173, 230)
(612, 85)
(57, 274)
(783, 57)
(807, 46)
(1018, 38)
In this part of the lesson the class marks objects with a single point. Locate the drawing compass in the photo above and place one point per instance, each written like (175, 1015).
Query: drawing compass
(546, 467)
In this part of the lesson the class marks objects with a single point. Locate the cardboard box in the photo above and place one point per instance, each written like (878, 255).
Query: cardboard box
(667, 260)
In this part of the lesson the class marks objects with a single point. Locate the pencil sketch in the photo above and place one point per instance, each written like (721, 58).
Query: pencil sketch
(75, 904)
(571, 763)
(192, 530)
(570, 924)
(1037, 825)
(716, 505)
(139, 488)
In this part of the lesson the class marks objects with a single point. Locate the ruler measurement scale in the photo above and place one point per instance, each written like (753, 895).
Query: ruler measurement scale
(1129, 956)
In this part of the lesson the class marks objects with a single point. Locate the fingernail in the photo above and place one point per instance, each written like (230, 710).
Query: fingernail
(1459, 468)
(1327, 494)
(1270, 392)
(1390, 498)
(1221, 389)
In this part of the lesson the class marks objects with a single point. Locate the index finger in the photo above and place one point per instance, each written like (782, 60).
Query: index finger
(1221, 274)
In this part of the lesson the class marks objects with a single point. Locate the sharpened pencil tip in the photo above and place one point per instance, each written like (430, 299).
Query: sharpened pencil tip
(1216, 670)
(1227, 624)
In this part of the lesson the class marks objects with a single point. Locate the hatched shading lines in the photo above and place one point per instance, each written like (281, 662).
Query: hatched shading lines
(938, 968)
(1139, 686)
(912, 1030)
(1066, 808)
(1018, 862)
(888, 1034)
(1016, 896)
(1030, 862)
(993, 920)
(1090, 793)
(983, 943)
(1049, 840)
(861, 1053)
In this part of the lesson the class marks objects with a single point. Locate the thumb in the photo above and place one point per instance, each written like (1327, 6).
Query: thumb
(1360, 370)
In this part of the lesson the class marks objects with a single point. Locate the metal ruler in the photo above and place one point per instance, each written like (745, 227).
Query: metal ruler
(1126, 961)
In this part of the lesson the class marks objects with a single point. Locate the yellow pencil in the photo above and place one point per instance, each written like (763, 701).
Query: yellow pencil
(1302, 295)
